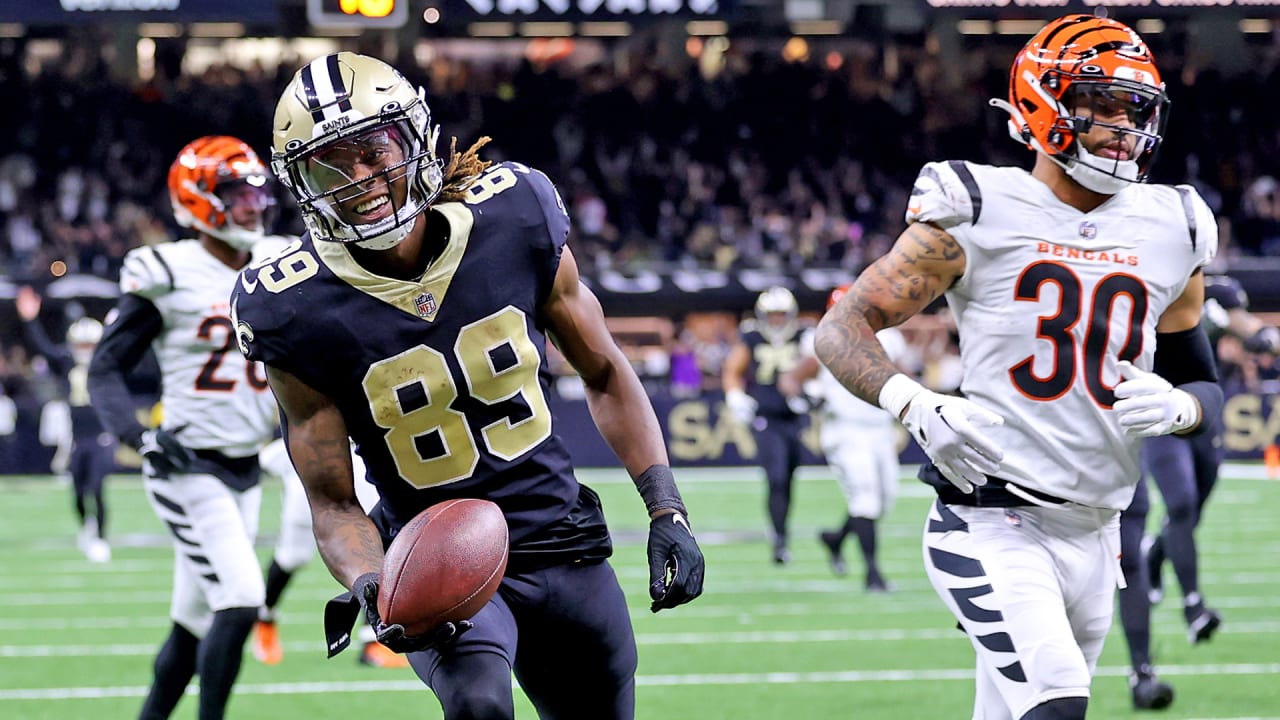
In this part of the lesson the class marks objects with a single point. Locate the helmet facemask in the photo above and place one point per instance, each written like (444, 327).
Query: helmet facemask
(254, 189)
(398, 143)
(1093, 104)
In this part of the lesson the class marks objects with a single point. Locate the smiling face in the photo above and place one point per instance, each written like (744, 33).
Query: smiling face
(363, 177)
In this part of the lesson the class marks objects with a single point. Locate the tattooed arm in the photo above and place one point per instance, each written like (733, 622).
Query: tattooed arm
(316, 436)
(922, 264)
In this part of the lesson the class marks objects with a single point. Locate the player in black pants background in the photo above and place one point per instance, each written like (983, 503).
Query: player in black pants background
(92, 448)
(769, 346)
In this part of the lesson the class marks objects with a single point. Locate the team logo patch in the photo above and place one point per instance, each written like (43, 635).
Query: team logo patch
(1088, 230)
(244, 337)
(1013, 518)
(426, 304)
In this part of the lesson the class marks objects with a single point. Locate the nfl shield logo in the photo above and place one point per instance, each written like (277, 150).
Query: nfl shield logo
(426, 304)
(1088, 230)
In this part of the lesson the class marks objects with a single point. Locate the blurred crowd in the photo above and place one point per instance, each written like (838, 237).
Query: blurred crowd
(662, 156)
(762, 159)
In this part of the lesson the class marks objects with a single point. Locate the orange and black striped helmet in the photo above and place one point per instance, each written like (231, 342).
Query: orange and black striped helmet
(1077, 73)
(201, 178)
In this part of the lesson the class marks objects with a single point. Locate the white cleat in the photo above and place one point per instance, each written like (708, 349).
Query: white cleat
(98, 551)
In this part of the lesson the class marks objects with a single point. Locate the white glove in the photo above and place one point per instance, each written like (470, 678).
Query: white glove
(946, 427)
(741, 405)
(1147, 405)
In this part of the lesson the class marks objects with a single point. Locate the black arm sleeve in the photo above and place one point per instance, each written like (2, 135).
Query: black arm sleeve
(1185, 359)
(123, 345)
(58, 356)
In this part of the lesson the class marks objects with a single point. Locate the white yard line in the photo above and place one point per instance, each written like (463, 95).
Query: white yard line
(777, 678)
(771, 637)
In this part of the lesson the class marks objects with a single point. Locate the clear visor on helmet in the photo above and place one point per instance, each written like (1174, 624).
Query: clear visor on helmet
(247, 201)
(1117, 104)
(354, 178)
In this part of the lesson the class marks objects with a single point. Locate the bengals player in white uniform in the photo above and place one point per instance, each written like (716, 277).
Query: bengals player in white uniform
(1077, 291)
(201, 466)
(860, 442)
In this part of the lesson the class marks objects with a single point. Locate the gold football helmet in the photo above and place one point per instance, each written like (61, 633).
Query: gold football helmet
(776, 310)
(354, 143)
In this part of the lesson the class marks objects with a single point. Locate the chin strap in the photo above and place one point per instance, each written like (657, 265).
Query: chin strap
(386, 240)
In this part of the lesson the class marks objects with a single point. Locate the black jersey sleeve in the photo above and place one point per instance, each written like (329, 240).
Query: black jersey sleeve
(124, 344)
(59, 356)
(259, 316)
(556, 223)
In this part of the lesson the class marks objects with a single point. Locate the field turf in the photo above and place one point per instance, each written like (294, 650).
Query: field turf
(77, 640)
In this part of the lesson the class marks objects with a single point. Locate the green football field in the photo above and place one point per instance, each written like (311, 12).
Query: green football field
(76, 640)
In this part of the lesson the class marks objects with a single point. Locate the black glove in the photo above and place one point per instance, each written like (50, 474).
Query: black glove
(675, 562)
(165, 453)
(342, 611)
(1265, 340)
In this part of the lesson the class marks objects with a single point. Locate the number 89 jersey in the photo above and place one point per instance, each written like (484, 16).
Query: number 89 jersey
(212, 397)
(441, 381)
(1050, 300)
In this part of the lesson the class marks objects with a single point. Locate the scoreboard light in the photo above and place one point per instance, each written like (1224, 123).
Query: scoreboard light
(357, 13)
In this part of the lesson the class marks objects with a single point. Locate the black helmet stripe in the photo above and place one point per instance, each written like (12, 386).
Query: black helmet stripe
(323, 85)
(339, 88)
(1061, 28)
(309, 87)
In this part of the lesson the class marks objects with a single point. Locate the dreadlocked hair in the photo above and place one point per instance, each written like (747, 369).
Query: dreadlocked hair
(462, 170)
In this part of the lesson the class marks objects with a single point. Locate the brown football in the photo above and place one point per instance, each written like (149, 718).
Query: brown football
(444, 565)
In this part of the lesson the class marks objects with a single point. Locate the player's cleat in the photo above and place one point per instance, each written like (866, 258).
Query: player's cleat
(831, 541)
(1202, 623)
(1155, 591)
(1149, 692)
(87, 534)
(877, 584)
(266, 643)
(375, 654)
(781, 555)
(97, 550)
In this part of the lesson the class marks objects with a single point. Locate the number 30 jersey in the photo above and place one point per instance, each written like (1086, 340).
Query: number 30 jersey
(212, 397)
(442, 381)
(1050, 300)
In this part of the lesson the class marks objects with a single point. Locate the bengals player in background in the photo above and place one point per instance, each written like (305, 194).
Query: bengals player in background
(1077, 291)
(200, 466)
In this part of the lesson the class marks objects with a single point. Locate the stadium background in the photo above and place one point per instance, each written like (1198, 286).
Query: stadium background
(707, 149)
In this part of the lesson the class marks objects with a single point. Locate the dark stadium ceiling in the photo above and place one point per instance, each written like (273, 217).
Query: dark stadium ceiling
(460, 18)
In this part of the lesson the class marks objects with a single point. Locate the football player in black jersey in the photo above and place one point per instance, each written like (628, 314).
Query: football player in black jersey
(414, 318)
(93, 449)
(768, 347)
(1185, 470)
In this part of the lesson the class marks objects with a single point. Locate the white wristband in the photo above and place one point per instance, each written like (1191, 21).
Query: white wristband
(897, 393)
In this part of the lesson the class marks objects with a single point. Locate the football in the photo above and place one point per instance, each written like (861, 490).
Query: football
(444, 565)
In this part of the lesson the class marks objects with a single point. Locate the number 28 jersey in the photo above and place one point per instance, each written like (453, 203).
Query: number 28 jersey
(441, 381)
(1050, 300)
(212, 397)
